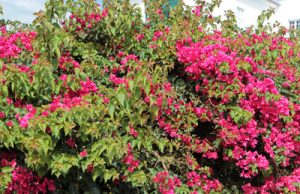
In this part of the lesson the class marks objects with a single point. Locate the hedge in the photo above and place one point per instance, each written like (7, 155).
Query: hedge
(94, 100)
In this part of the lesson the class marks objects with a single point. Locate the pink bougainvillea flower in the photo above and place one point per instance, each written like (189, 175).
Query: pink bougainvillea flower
(133, 132)
(83, 153)
(2, 115)
(9, 123)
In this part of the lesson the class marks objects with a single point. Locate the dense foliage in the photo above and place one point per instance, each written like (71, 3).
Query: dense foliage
(95, 100)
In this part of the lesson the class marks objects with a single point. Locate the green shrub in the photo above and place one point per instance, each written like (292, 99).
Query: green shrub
(94, 100)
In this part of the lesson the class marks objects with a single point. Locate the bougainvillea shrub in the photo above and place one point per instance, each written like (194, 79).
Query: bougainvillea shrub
(95, 100)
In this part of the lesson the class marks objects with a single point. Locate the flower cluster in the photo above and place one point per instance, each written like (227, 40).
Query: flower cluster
(284, 184)
(129, 159)
(195, 181)
(66, 62)
(88, 21)
(23, 121)
(23, 180)
(249, 110)
(11, 45)
(166, 184)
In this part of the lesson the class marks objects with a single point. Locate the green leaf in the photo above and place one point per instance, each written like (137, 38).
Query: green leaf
(110, 153)
(4, 90)
(121, 98)
(131, 83)
(6, 169)
(55, 130)
(110, 174)
(138, 178)
(240, 116)
(111, 110)
(161, 146)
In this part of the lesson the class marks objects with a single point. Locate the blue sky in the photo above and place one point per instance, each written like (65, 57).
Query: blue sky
(22, 9)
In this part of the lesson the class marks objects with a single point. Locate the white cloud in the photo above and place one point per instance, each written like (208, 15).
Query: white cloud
(21, 9)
